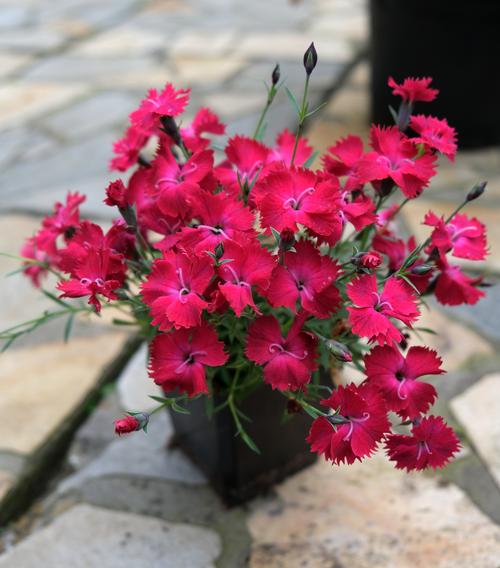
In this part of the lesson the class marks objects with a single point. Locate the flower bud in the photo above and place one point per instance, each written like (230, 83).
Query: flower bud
(276, 74)
(476, 191)
(171, 129)
(116, 194)
(369, 260)
(219, 251)
(286, 239)
(339, 350)
(421, 269)
(310, 59)
(132, 423)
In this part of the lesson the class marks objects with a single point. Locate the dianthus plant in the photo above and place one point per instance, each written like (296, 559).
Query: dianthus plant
(266, 266)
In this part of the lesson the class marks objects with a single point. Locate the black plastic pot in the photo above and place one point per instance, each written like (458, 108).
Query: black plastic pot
(235, 471)
(455, 42)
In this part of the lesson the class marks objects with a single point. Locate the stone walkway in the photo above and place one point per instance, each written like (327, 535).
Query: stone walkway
(69, 74)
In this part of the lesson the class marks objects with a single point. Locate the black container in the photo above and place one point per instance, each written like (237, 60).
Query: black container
(235, 471)
(455, 42)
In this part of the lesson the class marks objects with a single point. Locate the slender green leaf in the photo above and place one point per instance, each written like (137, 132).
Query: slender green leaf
(293, 100)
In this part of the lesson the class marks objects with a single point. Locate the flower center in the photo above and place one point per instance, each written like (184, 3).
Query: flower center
(189, 360)
(423, 446)
(294, 202)
(217, 230)
(87, 281)
(184, 290)
(352, 422)
(277, 348)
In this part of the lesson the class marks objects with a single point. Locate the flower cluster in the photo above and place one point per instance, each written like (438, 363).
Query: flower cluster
(258, 268)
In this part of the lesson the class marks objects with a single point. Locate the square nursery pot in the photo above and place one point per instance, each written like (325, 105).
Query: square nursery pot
(235, 471)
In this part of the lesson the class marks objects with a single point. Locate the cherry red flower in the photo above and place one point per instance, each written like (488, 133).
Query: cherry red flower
(219, 217)
(204, 122)
(354, 433)
(465, 237)
(66, 217)
(248, 265)
(432, 444)
(283, 150)
(44, 252)
(414, 89)
(92, 278)
(178, 359)
(395, 157)
(246, 159)
(454, 287)
(342, 159)
(435, 134)
(126, 425)
(308, 276)
(395, 376)
(288, 361)
(175, 185)
(174, 289)
(127, 149)
(287, 197)
(373, 311)
(116, 194)
(168, 102)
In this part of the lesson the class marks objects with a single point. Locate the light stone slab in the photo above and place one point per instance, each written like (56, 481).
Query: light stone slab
(20, 101)
(120, 42)
(478, 410)
(42, 386)
(134, 385)
(87, 536)
(97, 113)
(370, 515)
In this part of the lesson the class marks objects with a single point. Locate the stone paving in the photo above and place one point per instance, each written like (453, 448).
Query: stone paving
(69, 74)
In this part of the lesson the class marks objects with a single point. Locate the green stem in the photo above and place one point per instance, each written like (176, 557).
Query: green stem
(302, 118)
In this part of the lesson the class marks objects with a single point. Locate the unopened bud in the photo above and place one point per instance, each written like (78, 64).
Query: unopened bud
(310, 59)
(421, 269)
(369, 260)
(131, 423)
(219, 251)
(276, 74)
(170, 127)
(286, 239)
(339, 350)
(476, 191)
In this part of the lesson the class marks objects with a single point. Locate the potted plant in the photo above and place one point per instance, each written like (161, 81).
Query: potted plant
(252, 278)
(454, 42)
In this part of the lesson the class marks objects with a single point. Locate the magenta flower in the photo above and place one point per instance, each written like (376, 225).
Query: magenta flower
(249, 265)
(435, 134)
(178, 359)
(465, 237)
(414, 89)
(174, 289)
(432, 444)
(395, 158)
(360, 424)
(373, 311)
(306, 276)
(288, 361)
(395, 376)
